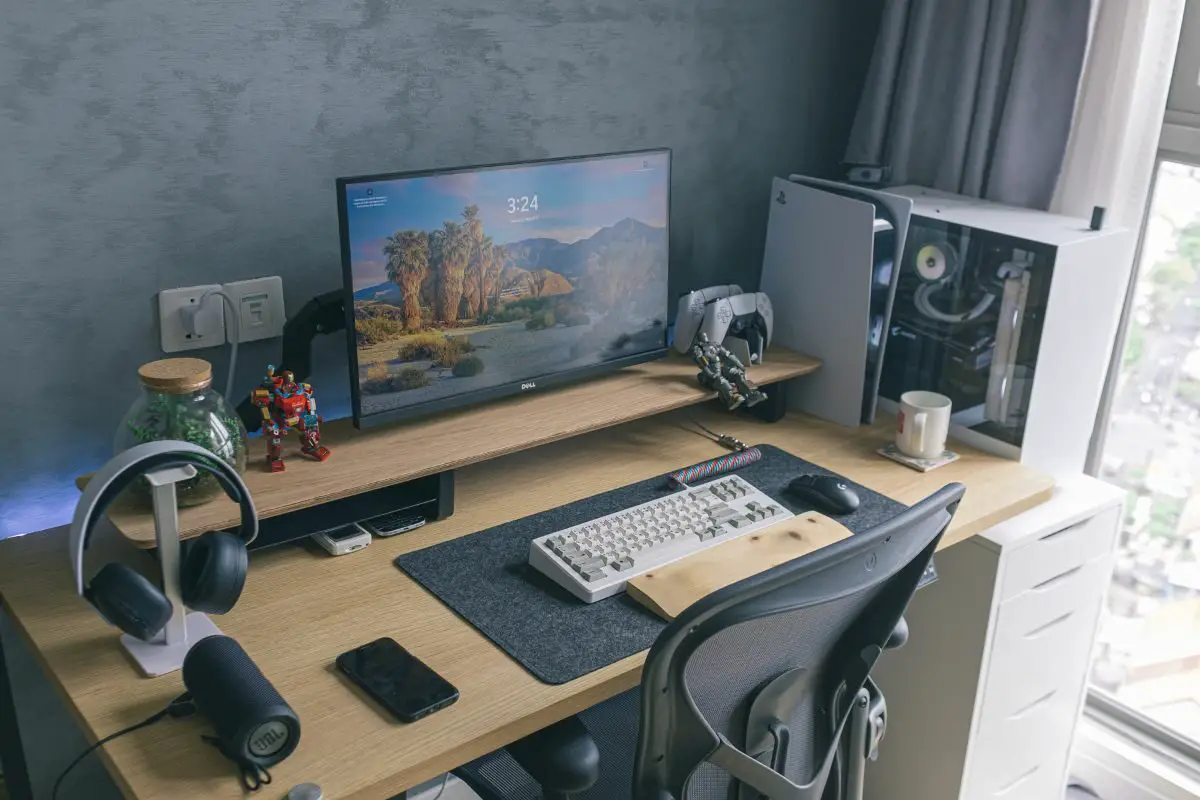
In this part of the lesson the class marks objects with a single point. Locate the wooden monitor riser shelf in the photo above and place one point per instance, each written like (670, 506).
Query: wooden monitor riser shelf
(365, 460)
(301, 608)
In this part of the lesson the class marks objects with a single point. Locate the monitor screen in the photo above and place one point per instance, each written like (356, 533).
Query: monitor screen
(473, 283)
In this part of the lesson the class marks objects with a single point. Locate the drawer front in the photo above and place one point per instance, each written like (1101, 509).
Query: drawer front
(1043, 639)
(1054, 554)
(1036, 782)
(1009, 747)
(1073, 590)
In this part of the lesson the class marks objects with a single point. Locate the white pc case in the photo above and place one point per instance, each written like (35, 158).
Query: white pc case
(1021, 335)
(1010, 312)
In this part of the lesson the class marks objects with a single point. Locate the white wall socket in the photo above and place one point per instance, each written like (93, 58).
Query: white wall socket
(259, 303)
(210, 319)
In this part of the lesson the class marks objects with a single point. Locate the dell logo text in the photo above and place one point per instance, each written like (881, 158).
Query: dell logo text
(527, 386)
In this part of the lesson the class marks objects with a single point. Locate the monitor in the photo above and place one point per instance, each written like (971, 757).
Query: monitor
(464, 285)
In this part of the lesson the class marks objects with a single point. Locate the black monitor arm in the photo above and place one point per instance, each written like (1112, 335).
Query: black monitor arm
(325, 313)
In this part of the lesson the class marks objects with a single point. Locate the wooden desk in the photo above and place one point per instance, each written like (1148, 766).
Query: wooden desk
(302, 608)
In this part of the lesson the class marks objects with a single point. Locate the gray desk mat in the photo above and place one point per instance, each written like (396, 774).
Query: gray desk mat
(485, 579)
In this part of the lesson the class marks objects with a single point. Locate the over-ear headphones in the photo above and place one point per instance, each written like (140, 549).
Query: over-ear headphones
(214, 566)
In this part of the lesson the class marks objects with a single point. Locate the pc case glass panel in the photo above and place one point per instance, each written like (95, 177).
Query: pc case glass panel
(967, 322)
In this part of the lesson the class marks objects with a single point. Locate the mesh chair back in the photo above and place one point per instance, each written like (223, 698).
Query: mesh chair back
(747, 692)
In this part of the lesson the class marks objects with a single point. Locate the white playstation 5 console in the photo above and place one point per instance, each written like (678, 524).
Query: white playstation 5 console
(828, 267)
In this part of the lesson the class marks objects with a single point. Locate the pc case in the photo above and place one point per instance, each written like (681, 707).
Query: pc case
(1012, 314)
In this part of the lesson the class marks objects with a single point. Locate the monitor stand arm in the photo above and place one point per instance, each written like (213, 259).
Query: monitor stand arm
(325, 313)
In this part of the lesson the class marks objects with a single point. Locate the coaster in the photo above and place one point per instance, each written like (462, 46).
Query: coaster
(919, 464)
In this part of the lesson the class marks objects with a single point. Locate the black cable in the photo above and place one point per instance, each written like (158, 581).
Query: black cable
(723, 439)
(179, 707)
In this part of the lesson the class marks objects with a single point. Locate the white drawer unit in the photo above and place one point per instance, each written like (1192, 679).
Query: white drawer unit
(984, 698)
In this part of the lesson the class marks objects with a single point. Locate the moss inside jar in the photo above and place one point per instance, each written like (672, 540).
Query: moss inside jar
(178, 402)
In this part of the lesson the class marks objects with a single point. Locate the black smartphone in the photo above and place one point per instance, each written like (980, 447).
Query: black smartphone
(397, 679)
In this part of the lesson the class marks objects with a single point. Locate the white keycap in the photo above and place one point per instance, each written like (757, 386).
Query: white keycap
(594, 560)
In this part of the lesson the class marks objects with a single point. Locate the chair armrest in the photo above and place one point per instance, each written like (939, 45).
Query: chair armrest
(561, 758)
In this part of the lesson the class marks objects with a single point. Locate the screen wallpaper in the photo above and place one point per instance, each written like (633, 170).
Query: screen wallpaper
(470, 280)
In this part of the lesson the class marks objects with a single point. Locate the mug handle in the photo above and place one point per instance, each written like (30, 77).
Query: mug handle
(918, 423)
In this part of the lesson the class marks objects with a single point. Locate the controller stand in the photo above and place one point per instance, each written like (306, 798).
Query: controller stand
(165, 653)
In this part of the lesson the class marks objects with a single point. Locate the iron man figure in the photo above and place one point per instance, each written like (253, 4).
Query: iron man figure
(287, 405)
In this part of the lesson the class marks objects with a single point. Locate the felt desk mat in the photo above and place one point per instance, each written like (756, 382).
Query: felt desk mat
(485, 577)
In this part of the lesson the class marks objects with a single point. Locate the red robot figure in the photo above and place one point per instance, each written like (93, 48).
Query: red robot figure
(287, 405)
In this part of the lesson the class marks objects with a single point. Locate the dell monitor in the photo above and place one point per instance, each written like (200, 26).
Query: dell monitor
(464, 285)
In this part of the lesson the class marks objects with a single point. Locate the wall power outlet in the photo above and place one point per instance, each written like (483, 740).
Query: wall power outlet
(210, 319)
(258, 303)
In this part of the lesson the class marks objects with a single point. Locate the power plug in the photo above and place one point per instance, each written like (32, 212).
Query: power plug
(187, 324)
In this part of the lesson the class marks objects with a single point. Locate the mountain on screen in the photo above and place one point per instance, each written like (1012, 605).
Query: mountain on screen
(566, 259)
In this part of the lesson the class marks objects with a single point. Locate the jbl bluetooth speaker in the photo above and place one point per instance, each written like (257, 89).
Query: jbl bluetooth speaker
(252, 722)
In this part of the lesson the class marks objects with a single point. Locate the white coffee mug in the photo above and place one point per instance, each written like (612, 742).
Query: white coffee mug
(922, 424)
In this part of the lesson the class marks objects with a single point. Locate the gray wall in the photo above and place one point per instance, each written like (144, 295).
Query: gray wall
(147, 145)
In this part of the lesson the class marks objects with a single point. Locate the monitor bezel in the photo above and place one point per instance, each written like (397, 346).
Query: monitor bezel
(518, 387)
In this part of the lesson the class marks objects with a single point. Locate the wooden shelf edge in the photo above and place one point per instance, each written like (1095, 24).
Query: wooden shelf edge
(385, 456)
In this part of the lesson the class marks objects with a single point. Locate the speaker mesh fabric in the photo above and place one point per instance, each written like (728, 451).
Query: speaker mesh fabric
(234, 695)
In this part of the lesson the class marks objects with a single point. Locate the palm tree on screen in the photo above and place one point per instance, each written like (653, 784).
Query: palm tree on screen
(407, 254)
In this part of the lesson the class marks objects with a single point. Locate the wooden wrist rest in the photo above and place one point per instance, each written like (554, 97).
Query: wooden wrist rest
(671, 589)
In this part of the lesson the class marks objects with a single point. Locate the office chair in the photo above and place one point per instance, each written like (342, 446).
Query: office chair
(760, 689)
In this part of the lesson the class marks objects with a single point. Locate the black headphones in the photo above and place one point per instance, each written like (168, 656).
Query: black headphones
(213, 568)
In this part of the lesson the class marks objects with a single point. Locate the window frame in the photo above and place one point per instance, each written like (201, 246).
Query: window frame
(1180, 752)
(1179, 142)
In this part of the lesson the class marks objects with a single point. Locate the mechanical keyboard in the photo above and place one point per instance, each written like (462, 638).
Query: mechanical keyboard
(595, 559)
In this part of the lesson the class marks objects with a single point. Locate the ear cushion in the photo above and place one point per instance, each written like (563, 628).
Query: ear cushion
(214, 572)
(129, 600)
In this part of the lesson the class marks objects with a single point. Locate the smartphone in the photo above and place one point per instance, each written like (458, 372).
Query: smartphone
(394, 523)
(397, 679)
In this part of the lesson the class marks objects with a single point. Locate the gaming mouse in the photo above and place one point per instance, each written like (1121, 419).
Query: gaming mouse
(826, 493)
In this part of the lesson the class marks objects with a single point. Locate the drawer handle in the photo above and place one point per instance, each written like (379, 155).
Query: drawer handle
(1023, 711)
(1046, 584)
(1063, 532)
(1019, 780)
(1039, 630)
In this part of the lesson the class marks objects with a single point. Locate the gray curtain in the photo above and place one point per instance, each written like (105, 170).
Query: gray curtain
(973, 96)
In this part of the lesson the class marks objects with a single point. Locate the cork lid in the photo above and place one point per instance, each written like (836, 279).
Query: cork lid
(176, 375)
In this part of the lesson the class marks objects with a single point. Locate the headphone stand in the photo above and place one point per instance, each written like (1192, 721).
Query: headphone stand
(165, 654)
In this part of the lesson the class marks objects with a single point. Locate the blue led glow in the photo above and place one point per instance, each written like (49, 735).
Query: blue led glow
(39, 502)
(48, 500)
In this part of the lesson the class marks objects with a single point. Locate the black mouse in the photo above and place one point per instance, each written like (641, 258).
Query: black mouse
(826, 493)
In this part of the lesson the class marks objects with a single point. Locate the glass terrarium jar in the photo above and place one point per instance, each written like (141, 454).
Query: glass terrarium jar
(178, 402)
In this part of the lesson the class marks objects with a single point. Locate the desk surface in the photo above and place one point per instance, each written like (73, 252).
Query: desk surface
(302, 608)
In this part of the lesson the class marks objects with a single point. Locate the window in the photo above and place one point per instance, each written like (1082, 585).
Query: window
(1148, 656)
(1145, 679)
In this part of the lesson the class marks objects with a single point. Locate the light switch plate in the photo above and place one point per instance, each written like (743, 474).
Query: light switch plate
(259, 303)
(210, 319)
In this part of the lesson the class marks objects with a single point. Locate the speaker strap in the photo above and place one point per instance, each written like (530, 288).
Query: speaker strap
(252, 776)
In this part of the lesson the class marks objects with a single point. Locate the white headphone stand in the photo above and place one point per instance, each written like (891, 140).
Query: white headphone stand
(165, 653)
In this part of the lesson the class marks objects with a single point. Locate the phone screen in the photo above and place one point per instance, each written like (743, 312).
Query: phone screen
(397, 679)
